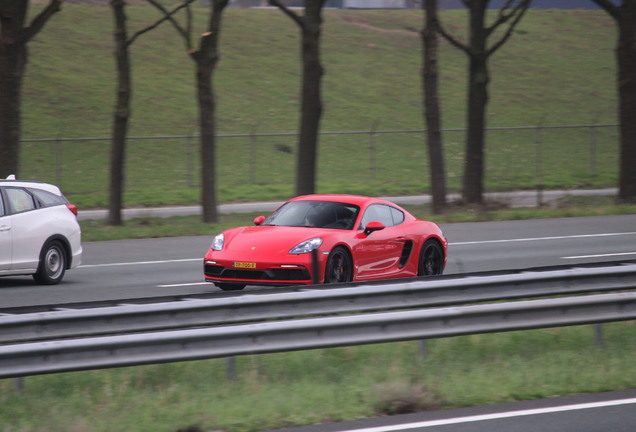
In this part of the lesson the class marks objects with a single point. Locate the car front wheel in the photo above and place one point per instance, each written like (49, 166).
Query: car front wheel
(431, 259)
(52, 264)
(339, 266)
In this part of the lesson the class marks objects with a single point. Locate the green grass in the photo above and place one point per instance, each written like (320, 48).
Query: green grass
(307, 387)
(557, 69)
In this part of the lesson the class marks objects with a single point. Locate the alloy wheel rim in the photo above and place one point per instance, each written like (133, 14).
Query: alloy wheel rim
(53, 262)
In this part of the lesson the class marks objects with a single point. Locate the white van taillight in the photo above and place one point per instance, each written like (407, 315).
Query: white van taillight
(72, 208)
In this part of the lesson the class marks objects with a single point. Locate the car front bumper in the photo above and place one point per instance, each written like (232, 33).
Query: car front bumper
(295, 270)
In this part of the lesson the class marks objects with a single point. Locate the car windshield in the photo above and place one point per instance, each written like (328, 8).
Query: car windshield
(316, 214)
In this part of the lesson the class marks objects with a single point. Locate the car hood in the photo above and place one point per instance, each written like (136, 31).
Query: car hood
(277, 239)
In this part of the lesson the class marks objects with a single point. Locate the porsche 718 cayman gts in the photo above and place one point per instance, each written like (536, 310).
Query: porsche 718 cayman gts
(356, 238)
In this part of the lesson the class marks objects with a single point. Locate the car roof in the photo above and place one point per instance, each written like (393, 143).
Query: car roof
(358, 200)
(32, 184)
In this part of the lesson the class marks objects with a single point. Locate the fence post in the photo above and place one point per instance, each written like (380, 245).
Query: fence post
(252, 158)
(539, 163)
(190, 161)
(58, 161)
(372, 135)
(593, 149)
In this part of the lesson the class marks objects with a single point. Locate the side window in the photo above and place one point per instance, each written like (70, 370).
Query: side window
(398, 216)
(20, 200)
(2, 211)
(377, 212)
(46, 198)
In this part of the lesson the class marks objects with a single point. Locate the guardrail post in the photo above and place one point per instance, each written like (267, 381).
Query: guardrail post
(230, 368)
(598, 335)
(421, 349)
(19, 385)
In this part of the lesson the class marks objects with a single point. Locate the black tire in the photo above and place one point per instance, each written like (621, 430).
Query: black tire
(431, 260)
(339, 266)
(230, 286)
(52, 264)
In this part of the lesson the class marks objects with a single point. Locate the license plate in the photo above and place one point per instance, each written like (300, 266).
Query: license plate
(238, 264)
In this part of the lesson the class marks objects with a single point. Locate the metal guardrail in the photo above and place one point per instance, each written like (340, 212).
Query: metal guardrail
(396, 294)
(267, 337)
(95, 338)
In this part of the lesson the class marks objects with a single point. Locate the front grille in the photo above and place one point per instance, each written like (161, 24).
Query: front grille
(290, 274)
(242, 274)
(213, 270)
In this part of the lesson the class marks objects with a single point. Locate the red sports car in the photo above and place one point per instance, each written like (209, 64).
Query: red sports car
(356, 238)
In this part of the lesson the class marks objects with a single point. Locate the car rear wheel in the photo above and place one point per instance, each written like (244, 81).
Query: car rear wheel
(339, 266)
(230, 286)
(52, 264)
(431, 259)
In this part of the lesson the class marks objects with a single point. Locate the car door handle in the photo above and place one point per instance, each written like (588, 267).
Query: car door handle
(4, 228)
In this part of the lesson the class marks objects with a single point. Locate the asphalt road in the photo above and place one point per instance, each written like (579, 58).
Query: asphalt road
(164, 266)
(600, 412)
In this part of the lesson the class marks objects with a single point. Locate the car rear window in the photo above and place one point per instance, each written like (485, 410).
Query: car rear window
(46, 198)
(398, 216)
(389, 216)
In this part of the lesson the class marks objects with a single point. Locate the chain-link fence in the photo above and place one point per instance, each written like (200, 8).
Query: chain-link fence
(516, 158)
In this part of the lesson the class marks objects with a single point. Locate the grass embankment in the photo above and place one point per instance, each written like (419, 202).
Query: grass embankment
(557, 69)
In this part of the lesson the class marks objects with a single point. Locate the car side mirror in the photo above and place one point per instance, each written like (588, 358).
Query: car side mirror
(373, 226)
(258, 220)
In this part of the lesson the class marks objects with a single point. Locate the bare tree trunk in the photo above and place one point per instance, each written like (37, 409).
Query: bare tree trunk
(475, 140)
(14, 37)
(206, 59)
(625, 17)
(311, 110)
(478, 53)
(477, 100)
(121, 115)
(626, 58)
(432, 113)
(311, 103)
(205, 98)
(12, 61)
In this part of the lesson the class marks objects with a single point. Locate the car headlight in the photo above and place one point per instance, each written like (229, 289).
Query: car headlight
(306, 246)
(218, 242)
